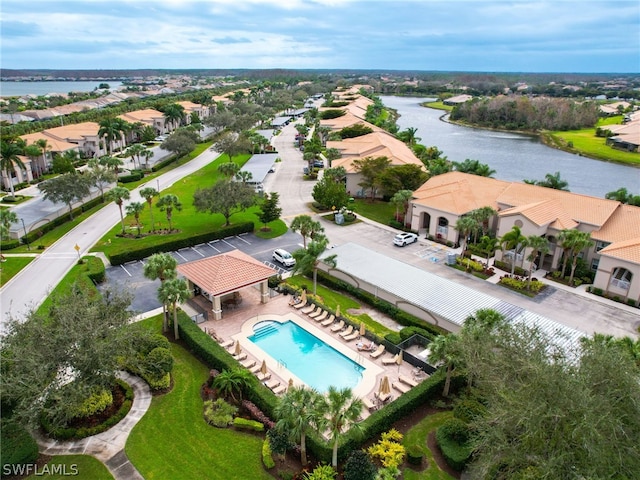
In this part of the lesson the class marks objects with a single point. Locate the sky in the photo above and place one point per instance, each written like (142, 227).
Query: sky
(432, 35)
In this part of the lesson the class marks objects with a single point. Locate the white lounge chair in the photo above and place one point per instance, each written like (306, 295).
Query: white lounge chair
(355, 334)
(369, 404)
(322, 316)
(248, 363)
(240, 357)
(316, 312)
(255, 368)
(389, 360)
(299, 305)
(272, 384)
(309, 309)
(378, 352)
(347, 332)
(338, 326)
(227, 344)
(328, 321)
(263, 376)
(401, 387)
(279, 389)
(409, 381)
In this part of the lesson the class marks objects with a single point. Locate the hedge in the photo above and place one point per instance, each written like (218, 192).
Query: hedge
(95, 269)
(10, 244)
(134, 176)
(448, 437)
(18, 446)
(246, 424)
(172, 244)
(163, 163)
(267, 457)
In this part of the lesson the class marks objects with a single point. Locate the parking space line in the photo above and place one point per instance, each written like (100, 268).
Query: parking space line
(197, 251)
(230, 244)
(209, 243)
(178, 253)
(125, 270)
(240, 238)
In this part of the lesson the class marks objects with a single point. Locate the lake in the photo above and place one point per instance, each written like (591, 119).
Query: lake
(514, 157)
(12, 89)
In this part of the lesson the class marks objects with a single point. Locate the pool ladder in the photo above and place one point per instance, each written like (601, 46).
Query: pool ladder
(282, 364)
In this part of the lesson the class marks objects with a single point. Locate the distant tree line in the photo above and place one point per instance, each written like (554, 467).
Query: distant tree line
(532, 114)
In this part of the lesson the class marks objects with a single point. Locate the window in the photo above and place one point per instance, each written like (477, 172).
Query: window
(600, 245)
(621, 278)
(594, 263)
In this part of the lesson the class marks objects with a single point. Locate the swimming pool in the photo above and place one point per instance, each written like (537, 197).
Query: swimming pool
(306, 356)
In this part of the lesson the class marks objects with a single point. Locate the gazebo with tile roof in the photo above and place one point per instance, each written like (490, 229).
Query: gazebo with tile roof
(226, 274)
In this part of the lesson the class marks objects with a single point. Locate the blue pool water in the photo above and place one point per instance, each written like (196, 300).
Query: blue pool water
(309, 358)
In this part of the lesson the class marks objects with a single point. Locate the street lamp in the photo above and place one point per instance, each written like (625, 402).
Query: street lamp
(26, 239)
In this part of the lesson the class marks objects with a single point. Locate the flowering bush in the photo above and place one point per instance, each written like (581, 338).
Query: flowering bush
(390, 452)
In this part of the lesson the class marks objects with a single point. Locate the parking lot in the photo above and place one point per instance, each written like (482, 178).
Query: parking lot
(130, 276)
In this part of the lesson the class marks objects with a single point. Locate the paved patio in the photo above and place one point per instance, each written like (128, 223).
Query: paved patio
(237, 324)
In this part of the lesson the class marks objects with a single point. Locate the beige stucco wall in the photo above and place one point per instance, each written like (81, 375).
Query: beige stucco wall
(606, 268)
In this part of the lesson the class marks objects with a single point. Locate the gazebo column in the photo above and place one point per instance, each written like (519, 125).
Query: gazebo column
(264, 291)
(217, 308)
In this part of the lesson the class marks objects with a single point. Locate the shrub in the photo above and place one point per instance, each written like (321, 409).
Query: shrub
(158, 362)
(517, 284)
(219, 413)
(452, 439)
(359, 467)
(97, 402)
(158, 383)
(388, 449)
(414, 455)
(10, 244)
(267, 458)
(246, 424)
(95, 269)
(18, 446)
(469, 264)
(321, 472)
(468, 409)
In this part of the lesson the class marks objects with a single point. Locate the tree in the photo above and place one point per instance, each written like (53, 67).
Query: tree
(444, 348)
(551, 181)
(512, 240)
(623, 196)
(465, 225)
(474, 167)
(307, 227)
(10, 160)
(225, 197)
(180, 142)
(119, 195)
(307, 259)
(482, 215)
(370, 168)
(161, 266)
(112, 163)
(7, 217)
(67, 188)
(359, 467)
(147, 154)
(299, 412)
(228, 169)
(168, 203)
(111, 129)
(101, 177)
(66, 162)
(244, 176)
(538, 245)
(172, 292)
(135, 152)
(554, 412)
(332, 154)
(329, 193)
(566, 239)
(232, 144)
(81, 337)
(401, 201)
(579, 242)
(232, 382)
(135, 209)
(148, 193)
(270, 211)
(488, 245)
(173, 115)
(343, 411)
(408, 136)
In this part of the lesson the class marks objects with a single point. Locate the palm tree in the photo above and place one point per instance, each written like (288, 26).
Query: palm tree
(113, 163)
(244, 176)
(147, 154)
(488, 245)
(512, 240)
(161, 266)
(465, 225)
(135, 209)
(230, 382)
(119, 195)
(167, 203)
(408, 136)
(482, 216)
(566, 238)
(134, 152)
(308, 259)
(343, 411)
(580, 242)
(172, 292)
(148, 193)
(174, 115)
(306, 226)
(228, 169)
(111, 129)
(444, 348)
(9, 160)
(7, 217)
(400, 199)
(299, 412)
(538, 245)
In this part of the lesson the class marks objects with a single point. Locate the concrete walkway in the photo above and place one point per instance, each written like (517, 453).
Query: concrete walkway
(108, 447)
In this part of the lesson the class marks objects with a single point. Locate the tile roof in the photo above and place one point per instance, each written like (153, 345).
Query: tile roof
(548, 212)
(226, 272)
(623, 224)
(147, 115)
(76, 130)
(53, 144)
(347, 120)
(626, 250)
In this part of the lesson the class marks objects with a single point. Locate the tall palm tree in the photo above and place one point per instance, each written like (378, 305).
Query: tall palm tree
(148, 193)
(135, 209)
(408, 136)
(512, 240)
(112, 163)
(465, 225)
(307, 227)
(9, 160)
(228, 169)
(172, 292)
(134, 152)
(231, 382)
(538, 245)
(147, 154)
(111, 129)
(161, 266)
(342, 412)
(308, 259)
(482, 216)
(566, 238)
(174, 115)
(489, 245)
(300, 412)
(401, 199)
(119, 195)
(168, 203)
(580, 242)
(444, 348)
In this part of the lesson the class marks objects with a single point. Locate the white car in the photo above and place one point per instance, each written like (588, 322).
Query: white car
(283, 257)
(405, 238)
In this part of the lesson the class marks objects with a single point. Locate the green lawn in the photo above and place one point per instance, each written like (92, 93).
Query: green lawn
(437, 106)
(378, 210)
(85, 465)
(418, 436)
(11, 266)
(173, 441)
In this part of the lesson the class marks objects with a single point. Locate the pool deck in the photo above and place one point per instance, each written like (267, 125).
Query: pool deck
(237, 324)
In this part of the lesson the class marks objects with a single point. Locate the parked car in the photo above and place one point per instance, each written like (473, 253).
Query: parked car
(318, 164)
(405, 238)
(283, 257)
(161, 138)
